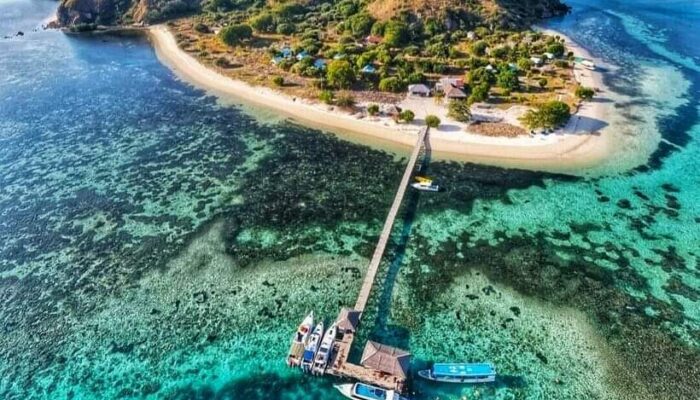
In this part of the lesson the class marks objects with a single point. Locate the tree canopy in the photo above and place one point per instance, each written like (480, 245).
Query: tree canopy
(234, 34)
(396, 33)
(548, 115)
(340, 74)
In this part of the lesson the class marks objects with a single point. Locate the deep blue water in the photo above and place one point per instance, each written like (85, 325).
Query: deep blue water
(155, 244)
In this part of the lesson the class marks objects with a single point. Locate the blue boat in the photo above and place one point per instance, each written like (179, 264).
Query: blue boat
(460, 373)
(363, 391)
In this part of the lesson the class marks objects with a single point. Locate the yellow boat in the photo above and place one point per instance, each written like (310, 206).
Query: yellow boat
(424, 180)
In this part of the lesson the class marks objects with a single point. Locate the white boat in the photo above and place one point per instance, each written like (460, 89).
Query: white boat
(363, 391)
(426, 186)
(307, 360)
(588, 64)
(460, 373)
(301, 337)
(324, 351)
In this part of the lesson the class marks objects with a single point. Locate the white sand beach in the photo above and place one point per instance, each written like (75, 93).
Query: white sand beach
(571, 150)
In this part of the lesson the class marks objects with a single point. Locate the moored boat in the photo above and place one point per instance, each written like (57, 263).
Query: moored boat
(460, 373)
(307, 360)
(323, 354)
(425, 184)
(301, 336)
(363, 391)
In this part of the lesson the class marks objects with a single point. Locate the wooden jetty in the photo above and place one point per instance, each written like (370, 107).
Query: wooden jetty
(381, 365)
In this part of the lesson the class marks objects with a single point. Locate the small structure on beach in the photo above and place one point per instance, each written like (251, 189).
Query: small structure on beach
(536, 60)
(368, 69)
(445, 83)
(348, 320)
(320, 63)
(386, 359)
(373, 39)
(454, 92)
(418, 90)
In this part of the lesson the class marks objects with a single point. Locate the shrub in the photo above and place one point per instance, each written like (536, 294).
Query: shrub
(432, 121)
(391, 84)
(407, 116)
(542, 82)
(286, 29)
(326, 96)
(524, 64)
(360, 24)
(234, 34)
(264, 22)
(345, 101)
(340, 74)
(278, 80)
(372, 109)
(479, 48)
(459, 111)
(548, 115)
(557, 49)
(479, 93)
(584, 93)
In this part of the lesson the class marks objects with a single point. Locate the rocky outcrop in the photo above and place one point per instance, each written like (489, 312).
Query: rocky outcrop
(77, 12)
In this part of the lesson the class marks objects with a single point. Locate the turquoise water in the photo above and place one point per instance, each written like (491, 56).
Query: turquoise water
(156, 244)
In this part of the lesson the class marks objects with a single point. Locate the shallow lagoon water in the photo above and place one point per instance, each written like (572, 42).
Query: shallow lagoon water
(157, 244)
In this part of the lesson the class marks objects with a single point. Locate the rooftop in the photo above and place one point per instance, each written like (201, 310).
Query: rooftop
(386, 359)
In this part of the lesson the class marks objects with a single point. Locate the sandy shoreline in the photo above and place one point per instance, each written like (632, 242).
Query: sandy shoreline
(572, 150)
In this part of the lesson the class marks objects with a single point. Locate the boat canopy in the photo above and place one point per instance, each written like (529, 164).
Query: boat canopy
(369, 392)
(463, 370)
(308, 355)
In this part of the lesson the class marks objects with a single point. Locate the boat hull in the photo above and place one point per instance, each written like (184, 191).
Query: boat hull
(427, 374)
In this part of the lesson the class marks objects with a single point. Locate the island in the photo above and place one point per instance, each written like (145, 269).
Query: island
(494, 89)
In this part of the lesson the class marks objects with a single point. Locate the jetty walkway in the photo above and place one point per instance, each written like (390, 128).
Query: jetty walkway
(382, 365)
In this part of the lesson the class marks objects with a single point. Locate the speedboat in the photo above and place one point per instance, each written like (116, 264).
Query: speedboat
(307, 360)
(323, 354)
(588, 64)
(425, 184)
(301, 337)
(363, 391)
(460, 373)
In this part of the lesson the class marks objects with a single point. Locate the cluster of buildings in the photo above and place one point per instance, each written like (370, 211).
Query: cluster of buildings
(451, 87)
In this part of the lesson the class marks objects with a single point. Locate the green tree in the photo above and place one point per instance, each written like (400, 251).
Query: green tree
(407, 116)
(524, 64)
(479, 93)
(508, 79)
(478, 48)
(557, 49)
(234, 34)
(360, 24)
(286, 28)
(396, 33)
(340, 74)
(585, 93)
(391, 84)
(549, 115)
(264, 22)
(543, 82)
(459, 111)
(432, 121)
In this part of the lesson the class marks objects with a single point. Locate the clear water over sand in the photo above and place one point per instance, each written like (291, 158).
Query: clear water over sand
(156, 244)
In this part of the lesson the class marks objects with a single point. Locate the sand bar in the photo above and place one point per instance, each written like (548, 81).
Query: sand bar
(571, 150)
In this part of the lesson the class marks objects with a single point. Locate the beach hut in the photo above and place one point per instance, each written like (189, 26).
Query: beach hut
(368, 69)
(386, 359)
(418, 90)
(490, 68)
(536, 60)
(320, 64)
(302, 55)
(549, 56)
(445, 83)
(347, 321)
(455, 93)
